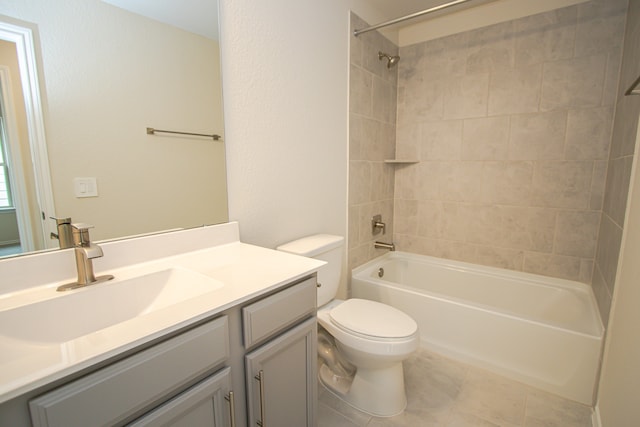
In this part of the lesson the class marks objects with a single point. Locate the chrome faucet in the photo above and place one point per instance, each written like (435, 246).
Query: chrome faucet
(383, 245)
(85, 252)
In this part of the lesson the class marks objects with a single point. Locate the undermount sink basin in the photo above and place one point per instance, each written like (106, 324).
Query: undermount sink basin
(82, 311)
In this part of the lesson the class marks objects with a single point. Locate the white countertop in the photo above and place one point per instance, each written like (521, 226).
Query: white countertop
(245, 270)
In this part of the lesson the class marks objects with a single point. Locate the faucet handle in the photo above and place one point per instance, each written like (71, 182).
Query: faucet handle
(81, 226)
(81, 233)
(60, 221)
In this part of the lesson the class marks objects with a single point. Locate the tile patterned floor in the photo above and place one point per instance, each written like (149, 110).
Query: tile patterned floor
(445, 393)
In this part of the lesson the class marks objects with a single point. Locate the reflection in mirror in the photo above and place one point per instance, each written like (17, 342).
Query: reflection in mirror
(104, 75)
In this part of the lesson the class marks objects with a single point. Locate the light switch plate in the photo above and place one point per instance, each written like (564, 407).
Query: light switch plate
(85, 187)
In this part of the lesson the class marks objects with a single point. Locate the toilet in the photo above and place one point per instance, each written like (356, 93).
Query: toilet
(361, 343)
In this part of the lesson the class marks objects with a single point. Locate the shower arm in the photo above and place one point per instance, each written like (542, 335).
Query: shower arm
(407, 17)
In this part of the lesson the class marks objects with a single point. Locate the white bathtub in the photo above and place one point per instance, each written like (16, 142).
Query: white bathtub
(541, 331)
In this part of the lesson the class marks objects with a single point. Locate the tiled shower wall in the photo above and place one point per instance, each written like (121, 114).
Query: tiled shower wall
(619, 167)
(511, 125)
(372, 134)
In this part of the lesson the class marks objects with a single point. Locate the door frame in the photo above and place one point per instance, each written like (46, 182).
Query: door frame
(25, 47)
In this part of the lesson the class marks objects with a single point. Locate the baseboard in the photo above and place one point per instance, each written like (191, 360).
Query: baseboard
(595, 417)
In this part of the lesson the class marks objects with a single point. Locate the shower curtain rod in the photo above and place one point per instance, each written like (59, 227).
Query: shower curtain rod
(413, 15)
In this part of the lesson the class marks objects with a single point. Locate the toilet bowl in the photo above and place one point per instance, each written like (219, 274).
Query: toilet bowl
(377, 386)
(362, 343)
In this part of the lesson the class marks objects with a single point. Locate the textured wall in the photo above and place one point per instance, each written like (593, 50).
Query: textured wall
(372, 131)
(511, 124)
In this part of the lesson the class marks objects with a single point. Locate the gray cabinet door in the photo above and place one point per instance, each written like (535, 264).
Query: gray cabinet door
(281, 381)
(206, 404)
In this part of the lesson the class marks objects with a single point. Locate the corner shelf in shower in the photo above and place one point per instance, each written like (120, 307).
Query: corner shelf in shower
(401, 161)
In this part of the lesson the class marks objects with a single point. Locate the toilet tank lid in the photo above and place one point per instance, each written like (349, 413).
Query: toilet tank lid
(312, 245)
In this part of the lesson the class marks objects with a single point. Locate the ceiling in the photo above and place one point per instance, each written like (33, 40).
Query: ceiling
(201, 16)
(196, 16)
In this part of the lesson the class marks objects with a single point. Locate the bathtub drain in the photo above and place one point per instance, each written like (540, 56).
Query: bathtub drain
(380, 272)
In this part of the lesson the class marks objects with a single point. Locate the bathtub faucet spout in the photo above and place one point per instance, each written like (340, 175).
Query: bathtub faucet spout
(383, 245)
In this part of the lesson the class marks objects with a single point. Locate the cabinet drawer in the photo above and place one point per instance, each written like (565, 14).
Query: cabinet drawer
(115, 393)
(278, 311)
(203, 405)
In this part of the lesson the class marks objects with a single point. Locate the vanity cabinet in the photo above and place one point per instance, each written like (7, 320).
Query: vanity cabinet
(280, 372)
(251, 365)
(281, 384)
(204, 404)
(123, 390)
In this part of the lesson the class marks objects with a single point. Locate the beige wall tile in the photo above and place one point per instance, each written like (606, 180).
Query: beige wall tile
(628, 119)
(603, 297)
(560, 266)
(442, 220)
(561, 184)
(360, 83)
(445, 57)
(507, 183)
(511, 259)
(406, 217)
(466, 97)
(408, 139)
(515, 90)
(372, 138)
(356, 43)
(512, 227)
(600, 27)
(570, 83)
(608, 250)
(441, 140)
(384, 100)
(511, 124)
(420, 100)
(589, 133)
(586, 270)
(460, 181)
(617, 188)
(382, 181)
(354, 226)
(359, 182)
(577, 233)
(405, 181)
(546, 36)
(538, 136)
(612, 76)
(598, 184)
(485, 138)
(427, 180)
(491, 48)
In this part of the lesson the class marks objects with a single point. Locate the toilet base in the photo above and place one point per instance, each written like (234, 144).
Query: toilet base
(377, 392)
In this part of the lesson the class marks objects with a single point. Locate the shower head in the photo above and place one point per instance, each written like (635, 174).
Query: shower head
(391, 60)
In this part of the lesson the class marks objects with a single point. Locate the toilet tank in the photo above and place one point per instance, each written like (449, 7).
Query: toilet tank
(325, 247)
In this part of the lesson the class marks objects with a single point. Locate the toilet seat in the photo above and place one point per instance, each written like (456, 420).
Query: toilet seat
(371, 319)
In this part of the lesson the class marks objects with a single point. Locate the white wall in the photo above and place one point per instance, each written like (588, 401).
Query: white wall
(109, 74)
(285, 85)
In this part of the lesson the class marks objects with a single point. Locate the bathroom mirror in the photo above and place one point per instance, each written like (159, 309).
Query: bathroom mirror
(105, 75)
